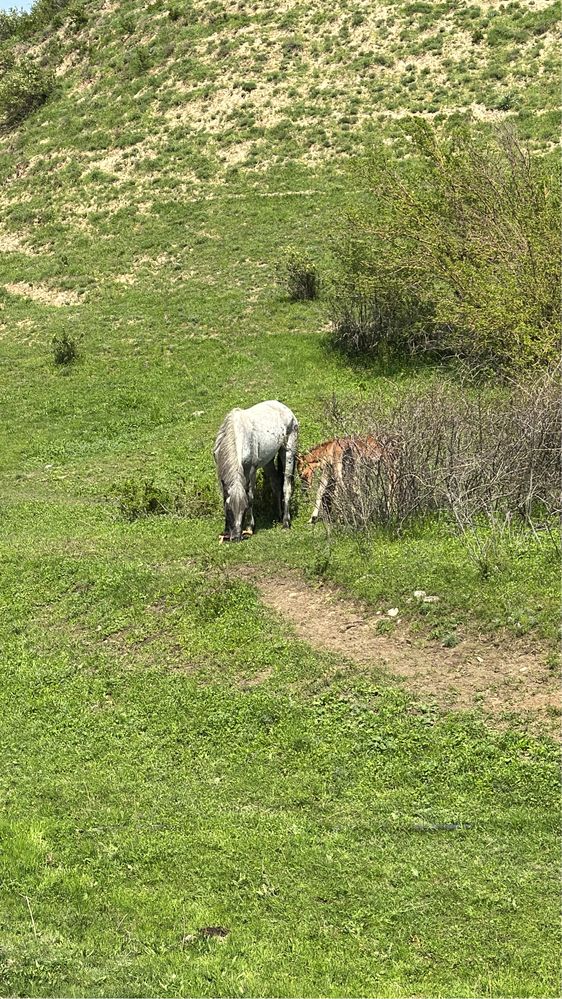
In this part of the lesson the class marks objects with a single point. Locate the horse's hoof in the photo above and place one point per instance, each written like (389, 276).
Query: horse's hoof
(313, 520)
(248, 533)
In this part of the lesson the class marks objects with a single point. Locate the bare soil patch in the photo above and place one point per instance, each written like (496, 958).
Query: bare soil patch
(11, 243)
(503, 677)
(43, 294)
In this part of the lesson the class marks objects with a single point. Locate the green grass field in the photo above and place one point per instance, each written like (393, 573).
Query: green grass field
(173, 759)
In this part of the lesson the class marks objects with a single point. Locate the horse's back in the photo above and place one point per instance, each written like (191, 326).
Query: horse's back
(365, 447)
(256, 434)
(339, 452)
(269, 426)
(269, 410)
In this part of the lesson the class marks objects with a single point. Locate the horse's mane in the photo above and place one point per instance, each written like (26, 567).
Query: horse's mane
(226, 454)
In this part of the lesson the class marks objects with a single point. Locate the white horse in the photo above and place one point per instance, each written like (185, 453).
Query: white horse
(247, 440)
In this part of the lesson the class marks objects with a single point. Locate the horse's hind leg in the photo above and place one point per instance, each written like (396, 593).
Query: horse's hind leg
(288, 457)
(251, 490)
(271, 473)
(226, 531)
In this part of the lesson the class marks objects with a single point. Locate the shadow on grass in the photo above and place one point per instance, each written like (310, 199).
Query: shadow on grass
(386, 363)
(266, 512)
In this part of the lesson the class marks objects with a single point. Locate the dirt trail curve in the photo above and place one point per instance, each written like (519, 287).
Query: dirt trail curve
(499, 678)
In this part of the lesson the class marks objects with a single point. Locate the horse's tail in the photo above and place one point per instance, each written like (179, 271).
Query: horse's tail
(225, 453)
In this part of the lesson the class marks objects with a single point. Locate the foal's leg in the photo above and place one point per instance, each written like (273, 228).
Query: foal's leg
(343, 459)
(324, 483)
(289, 457)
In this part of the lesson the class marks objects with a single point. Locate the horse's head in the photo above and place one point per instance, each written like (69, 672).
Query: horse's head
(235, 506)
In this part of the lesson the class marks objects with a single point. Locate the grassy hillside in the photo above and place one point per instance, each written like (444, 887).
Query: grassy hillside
(173, 759)
(162, 98)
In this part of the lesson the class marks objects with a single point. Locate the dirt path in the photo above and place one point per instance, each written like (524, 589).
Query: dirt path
(501, 678)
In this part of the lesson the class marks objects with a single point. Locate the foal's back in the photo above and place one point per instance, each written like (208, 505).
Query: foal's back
(333, 453)
(318, 457)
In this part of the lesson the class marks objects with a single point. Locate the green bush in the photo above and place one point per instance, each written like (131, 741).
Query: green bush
(375, 320)
(24, 87)
(22, 24)
(146, 497)
(10, 23)
(458, 246)
(138, 61)
(298, 275)
(65, 349)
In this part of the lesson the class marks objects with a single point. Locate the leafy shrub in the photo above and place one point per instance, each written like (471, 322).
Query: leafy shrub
(10, 23)
(65, 349)
(298, 275)
(465, 234)
(22, 24)
(78, 16)
(381, 59)
(127, 23)
(138, 498)
(292, 47)
(24, 87)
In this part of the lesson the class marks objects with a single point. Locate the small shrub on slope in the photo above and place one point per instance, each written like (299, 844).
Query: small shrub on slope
(380, 318)
(65, 349)
(44, 13)
(299, 277)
